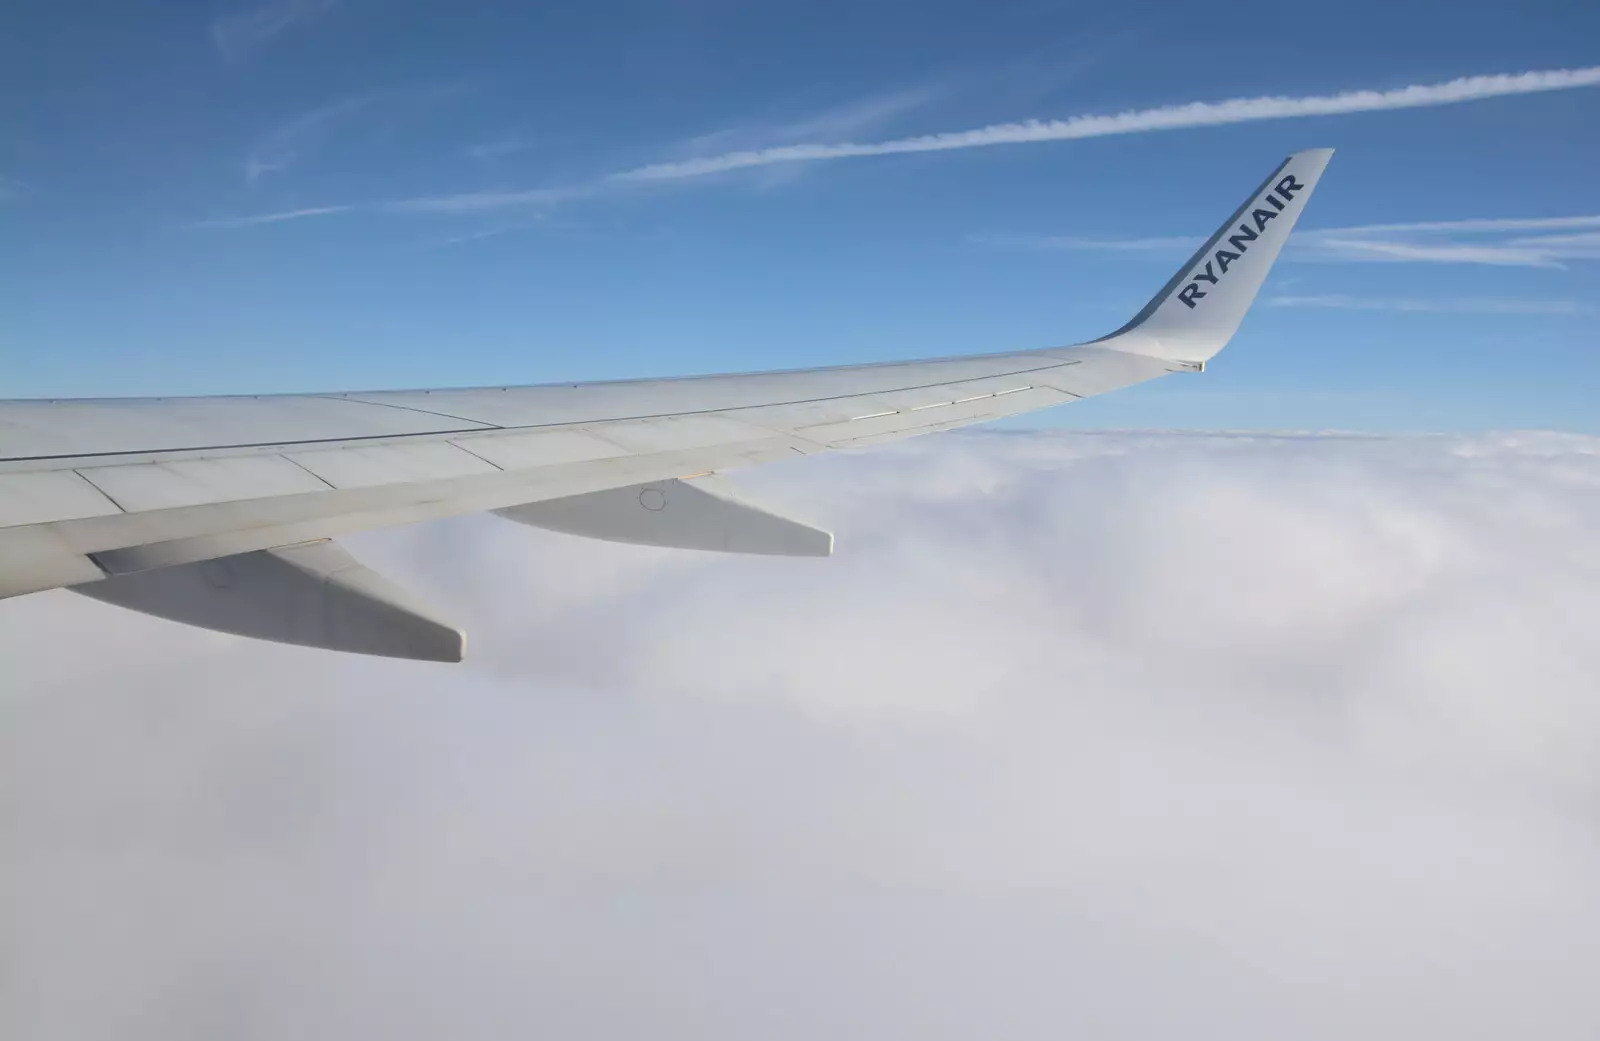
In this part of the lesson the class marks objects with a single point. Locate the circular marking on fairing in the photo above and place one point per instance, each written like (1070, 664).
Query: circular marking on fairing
(652, 499)
(219, 573)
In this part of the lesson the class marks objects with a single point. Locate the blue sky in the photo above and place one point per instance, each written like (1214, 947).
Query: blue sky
(336, 194)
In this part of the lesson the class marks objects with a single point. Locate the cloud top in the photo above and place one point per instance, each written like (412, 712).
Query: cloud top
(1131, 735)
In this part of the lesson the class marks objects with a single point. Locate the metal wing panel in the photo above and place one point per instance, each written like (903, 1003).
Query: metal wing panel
(186, 509)
(45, 430)
(1103, 370)
(531, 449)
(363, 466)
(906, 423)
(573, 403)
(44, 435)
(139, 487)
(675, 433)
(50, 495)
(793, 416)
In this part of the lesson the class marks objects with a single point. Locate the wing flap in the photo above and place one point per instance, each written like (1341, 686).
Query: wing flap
(37, 558)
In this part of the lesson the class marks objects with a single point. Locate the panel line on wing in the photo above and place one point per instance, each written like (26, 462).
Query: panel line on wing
(491, 429)
(41, 496)
(475, 455)
(420, 411)
(922, 408)
(310, 471)
(109, 497)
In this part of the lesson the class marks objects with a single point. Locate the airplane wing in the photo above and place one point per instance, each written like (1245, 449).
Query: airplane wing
(219, 511)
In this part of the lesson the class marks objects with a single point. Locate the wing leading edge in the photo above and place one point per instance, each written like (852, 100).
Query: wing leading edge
(121, 489)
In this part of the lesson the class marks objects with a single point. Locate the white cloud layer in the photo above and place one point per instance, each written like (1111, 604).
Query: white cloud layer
(1112, 736)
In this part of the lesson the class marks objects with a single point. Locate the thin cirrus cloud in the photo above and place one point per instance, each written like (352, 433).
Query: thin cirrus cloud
(296, 138)
(303, 135)
(466, 204)
(271, 218)
(499, 148)
(1446, 253)
(1172, 117)
(1446, 305)
(484, 202)
(357, 118)
(1585, 245)
(240, 35)
(1490, 241)
(1487, 224)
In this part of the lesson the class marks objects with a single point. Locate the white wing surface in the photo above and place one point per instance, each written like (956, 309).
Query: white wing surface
(200, 509)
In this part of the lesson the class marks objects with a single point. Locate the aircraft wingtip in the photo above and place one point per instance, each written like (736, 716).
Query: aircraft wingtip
(1198, 310)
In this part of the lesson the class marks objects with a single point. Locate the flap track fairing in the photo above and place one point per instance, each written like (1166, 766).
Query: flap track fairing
(314, 594)
(703, 513)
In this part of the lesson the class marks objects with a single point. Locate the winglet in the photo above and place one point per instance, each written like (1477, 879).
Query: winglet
(1198, 311)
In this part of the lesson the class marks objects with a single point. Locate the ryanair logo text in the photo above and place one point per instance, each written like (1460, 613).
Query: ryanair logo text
(1217, 266)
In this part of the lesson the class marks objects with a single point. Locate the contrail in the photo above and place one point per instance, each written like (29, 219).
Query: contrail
(1172, 117)
(270, 218)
